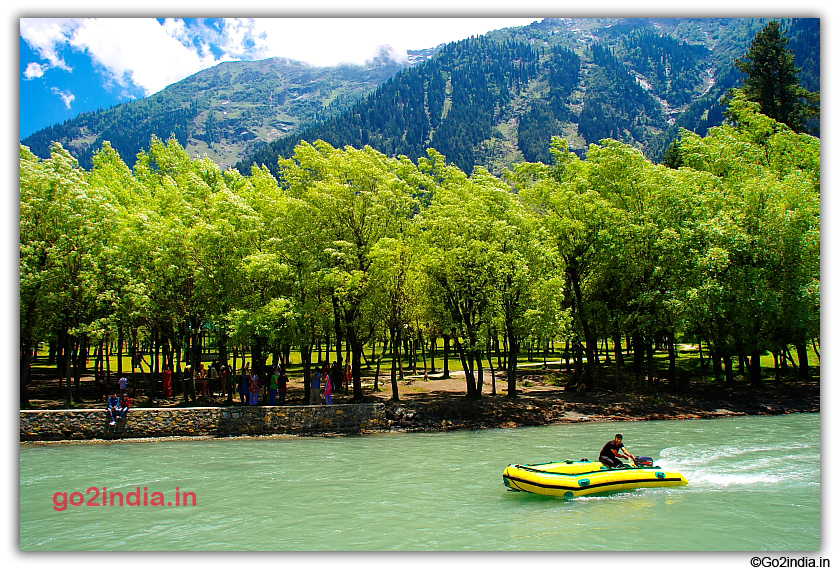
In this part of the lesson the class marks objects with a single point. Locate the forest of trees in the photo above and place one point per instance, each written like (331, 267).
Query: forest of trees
(354, 244)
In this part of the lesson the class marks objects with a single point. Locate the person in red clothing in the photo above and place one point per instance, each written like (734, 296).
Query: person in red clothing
(125, 404)
(167, 382)
(328, 386)
(254, 389)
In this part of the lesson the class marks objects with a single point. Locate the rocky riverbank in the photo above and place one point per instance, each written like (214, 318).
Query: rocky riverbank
(424, 412)
(436, 404)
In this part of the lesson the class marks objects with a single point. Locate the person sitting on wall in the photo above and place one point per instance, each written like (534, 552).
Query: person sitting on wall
(113, 408)
(125, 405)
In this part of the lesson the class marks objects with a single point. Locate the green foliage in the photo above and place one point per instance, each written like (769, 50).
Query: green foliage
(723, 244)
(772, 80)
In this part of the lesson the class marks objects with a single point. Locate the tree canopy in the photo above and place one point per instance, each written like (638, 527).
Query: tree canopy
(354, 245)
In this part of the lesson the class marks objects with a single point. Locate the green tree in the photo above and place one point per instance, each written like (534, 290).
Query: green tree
(64, 228)
(576, 217)
(460, 262)
(353, 198)
(772, 80)
(758, 272)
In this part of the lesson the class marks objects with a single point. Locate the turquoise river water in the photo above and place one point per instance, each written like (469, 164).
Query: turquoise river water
(754, 485)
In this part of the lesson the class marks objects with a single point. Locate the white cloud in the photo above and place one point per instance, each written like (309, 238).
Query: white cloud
(66, 96)
(34, 70)
(153, 55)
(44, 35)
(141, 49)
(330, 41)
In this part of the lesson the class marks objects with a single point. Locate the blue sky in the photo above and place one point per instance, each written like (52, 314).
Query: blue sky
(70, 66)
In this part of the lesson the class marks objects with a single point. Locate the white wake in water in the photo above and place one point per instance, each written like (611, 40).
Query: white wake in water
(756, 464)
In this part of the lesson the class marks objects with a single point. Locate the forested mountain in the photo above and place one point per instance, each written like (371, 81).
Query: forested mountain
(226, 111)
(497, 99)
(492, 100)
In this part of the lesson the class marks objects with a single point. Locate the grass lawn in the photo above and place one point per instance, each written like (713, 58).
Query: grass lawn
(688, 362)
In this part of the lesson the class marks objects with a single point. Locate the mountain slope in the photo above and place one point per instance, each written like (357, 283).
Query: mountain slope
(226, 111)
(497, 99)
(491, 100)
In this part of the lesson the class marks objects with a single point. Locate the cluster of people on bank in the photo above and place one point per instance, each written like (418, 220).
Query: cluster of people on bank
(217, 378)
(249, 387)
(321, 376)
(220, 379)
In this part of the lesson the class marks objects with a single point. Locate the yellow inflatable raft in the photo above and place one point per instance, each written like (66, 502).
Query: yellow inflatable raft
(577, 478)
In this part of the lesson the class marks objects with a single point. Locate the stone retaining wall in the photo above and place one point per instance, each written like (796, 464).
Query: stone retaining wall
(53, 425)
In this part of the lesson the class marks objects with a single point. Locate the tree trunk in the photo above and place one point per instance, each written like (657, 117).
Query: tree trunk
(378, 365)
(496, 344)
(107, 361)
(467, 363)
(566, 354)
(619, 356)
(545, 355)
(356, 346)
(432, 350)
(638, 356)
(716, 363)
(306, 361)
(423, 352)
(479, 379)
(651, 369)
(79, 362)
(802, 356)
(224, 337)
(446, 338)
(512, 360)
(150, 380)
(754, 367)
(490, 362)
(67, 361)
(578, 360)
(672, 361)
(26, 347)
(727, 366)
(588, 337)
(341, 381)
(395, 355)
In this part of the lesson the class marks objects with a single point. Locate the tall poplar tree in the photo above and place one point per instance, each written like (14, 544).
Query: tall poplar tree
(772, 80)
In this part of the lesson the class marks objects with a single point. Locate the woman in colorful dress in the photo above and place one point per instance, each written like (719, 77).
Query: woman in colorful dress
(328, 386)
(254, 389)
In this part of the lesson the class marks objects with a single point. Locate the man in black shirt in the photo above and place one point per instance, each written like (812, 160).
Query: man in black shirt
(612, 451)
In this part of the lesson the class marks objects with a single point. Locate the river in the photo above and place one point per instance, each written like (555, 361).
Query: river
(754, 485)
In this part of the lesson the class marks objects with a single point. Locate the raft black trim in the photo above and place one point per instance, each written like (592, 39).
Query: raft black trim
(532, 468)
(578, 488)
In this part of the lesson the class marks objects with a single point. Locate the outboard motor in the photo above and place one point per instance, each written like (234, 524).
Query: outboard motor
(643, 461)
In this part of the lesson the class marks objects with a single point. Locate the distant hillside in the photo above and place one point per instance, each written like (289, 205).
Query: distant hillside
(497, 99)
(227, 111)
(492, 100)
